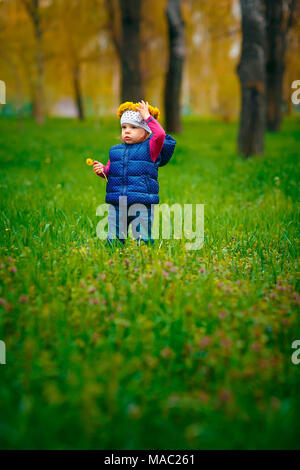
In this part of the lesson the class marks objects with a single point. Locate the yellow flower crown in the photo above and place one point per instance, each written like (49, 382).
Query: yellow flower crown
(129, 105)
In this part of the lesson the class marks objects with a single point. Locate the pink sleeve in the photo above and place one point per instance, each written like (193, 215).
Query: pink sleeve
(105, 169)
(157, 139)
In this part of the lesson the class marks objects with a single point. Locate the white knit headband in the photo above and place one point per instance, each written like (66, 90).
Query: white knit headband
(135, 118)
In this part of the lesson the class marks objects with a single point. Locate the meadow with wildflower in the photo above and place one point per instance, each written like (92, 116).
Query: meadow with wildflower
(146, 347)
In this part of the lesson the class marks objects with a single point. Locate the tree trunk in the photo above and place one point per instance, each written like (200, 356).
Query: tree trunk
(77, 92)
(131, 79)
(279, 16)
(39, 103)
(175, 69)
(32, 8)
(251, 71)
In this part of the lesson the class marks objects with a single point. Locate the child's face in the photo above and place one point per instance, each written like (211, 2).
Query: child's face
(132, 134)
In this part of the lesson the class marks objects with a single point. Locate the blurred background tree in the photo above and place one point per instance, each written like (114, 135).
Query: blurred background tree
(252, 72)
(130, 49)
(83, 57)
(75, 43)
(176, 53)
(280, 17)
(38, 17)
(72, 75)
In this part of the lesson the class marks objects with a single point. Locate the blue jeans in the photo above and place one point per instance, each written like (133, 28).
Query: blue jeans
(119, 221)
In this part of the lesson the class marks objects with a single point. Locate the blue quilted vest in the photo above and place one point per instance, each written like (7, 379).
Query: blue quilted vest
(132, 172)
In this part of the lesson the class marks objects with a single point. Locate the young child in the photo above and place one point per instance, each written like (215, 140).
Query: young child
(132, 170)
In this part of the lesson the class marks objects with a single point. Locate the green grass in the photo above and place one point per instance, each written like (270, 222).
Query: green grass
(120, 351)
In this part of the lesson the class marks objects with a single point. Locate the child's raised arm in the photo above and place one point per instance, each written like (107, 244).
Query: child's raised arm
(158, 137)
(158, 133)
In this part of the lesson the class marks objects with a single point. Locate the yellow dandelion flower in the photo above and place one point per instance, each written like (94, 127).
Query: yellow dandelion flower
(129, 105)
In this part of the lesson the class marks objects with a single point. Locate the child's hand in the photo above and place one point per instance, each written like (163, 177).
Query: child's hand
(143, 108)
(98, 167)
